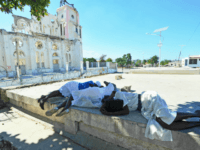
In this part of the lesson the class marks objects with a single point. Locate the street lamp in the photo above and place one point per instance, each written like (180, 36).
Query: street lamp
(159, 44)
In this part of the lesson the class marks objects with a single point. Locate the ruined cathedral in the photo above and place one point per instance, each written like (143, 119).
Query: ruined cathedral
(48, 45)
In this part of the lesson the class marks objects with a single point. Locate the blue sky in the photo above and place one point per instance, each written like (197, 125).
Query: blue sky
(117, 27)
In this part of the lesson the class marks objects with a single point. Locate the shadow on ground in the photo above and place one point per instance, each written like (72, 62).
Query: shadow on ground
(23, 140)
(190, 107)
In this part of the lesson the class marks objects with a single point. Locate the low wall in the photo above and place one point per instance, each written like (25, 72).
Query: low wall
(141, 71)
(57, 77)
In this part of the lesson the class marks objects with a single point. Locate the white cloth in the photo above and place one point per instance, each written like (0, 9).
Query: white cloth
(98, 83)
(154, 106)
(132, 100)
(68, 88)
(91, 97)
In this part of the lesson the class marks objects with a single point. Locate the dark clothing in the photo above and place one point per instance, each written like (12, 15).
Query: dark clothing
(139, 103)
(85, 85)
(113, 107)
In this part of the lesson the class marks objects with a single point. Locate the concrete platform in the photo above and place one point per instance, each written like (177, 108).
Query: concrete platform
(180, 93)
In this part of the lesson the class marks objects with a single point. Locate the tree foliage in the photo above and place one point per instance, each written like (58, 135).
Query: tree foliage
(102, 58)
(138, 63)
(109, 60)
(164, 62)
(121, 61)
(89, 59)
(154, 59)
(144, 61)
(37, 6)
(129, 58)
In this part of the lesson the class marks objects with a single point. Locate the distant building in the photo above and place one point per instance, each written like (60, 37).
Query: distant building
(191, 61)
(174, 63)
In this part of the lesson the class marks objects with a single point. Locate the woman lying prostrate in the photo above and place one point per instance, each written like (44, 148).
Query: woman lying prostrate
(90, 97)
(66, 90)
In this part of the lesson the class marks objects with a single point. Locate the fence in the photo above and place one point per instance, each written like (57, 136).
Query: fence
(84, 65)
(102, 64)
(93, 64)
(54, 77)
(112, 65)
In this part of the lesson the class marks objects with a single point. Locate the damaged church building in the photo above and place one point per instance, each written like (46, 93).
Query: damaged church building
(52, 44)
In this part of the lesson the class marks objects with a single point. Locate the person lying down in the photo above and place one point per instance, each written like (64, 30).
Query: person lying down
(67, 89)
(161, 120)
(90, 97)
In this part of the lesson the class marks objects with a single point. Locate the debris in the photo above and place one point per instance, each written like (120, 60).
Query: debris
(117, 77)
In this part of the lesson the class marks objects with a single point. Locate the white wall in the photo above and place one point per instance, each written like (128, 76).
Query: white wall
(30, 50)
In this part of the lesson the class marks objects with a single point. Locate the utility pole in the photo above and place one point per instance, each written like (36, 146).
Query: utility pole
(17, 51)
(159, 44)
(180, 51)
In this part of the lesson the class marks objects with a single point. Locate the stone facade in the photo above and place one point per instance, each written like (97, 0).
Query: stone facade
(46, 45)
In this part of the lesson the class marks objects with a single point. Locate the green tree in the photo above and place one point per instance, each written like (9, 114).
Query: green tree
(89, 59)
(125, 59)
(92, 59)
(162, 63)
(166, 61)
(129, 58)
(121, 62)
(37, 6)
(149, 61)
(84, 60)
(138, 62)
(144, 61)
(154, 59)
(109, 60)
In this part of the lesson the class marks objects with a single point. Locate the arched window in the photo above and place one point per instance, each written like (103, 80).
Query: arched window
(55, 61)
(55, 54)
(42, 58)
(69, 57)
(37, 60)
(21, 53)
(37, 57)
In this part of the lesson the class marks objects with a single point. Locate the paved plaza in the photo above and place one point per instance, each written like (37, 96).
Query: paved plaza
(181, 93)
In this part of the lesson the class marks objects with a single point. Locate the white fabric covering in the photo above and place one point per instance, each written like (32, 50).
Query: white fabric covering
(98, 83)
(68, 88)
(130, 99)
(91, 97)
(154, 106)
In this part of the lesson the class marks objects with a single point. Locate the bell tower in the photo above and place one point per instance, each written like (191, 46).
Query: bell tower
(68, 18)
